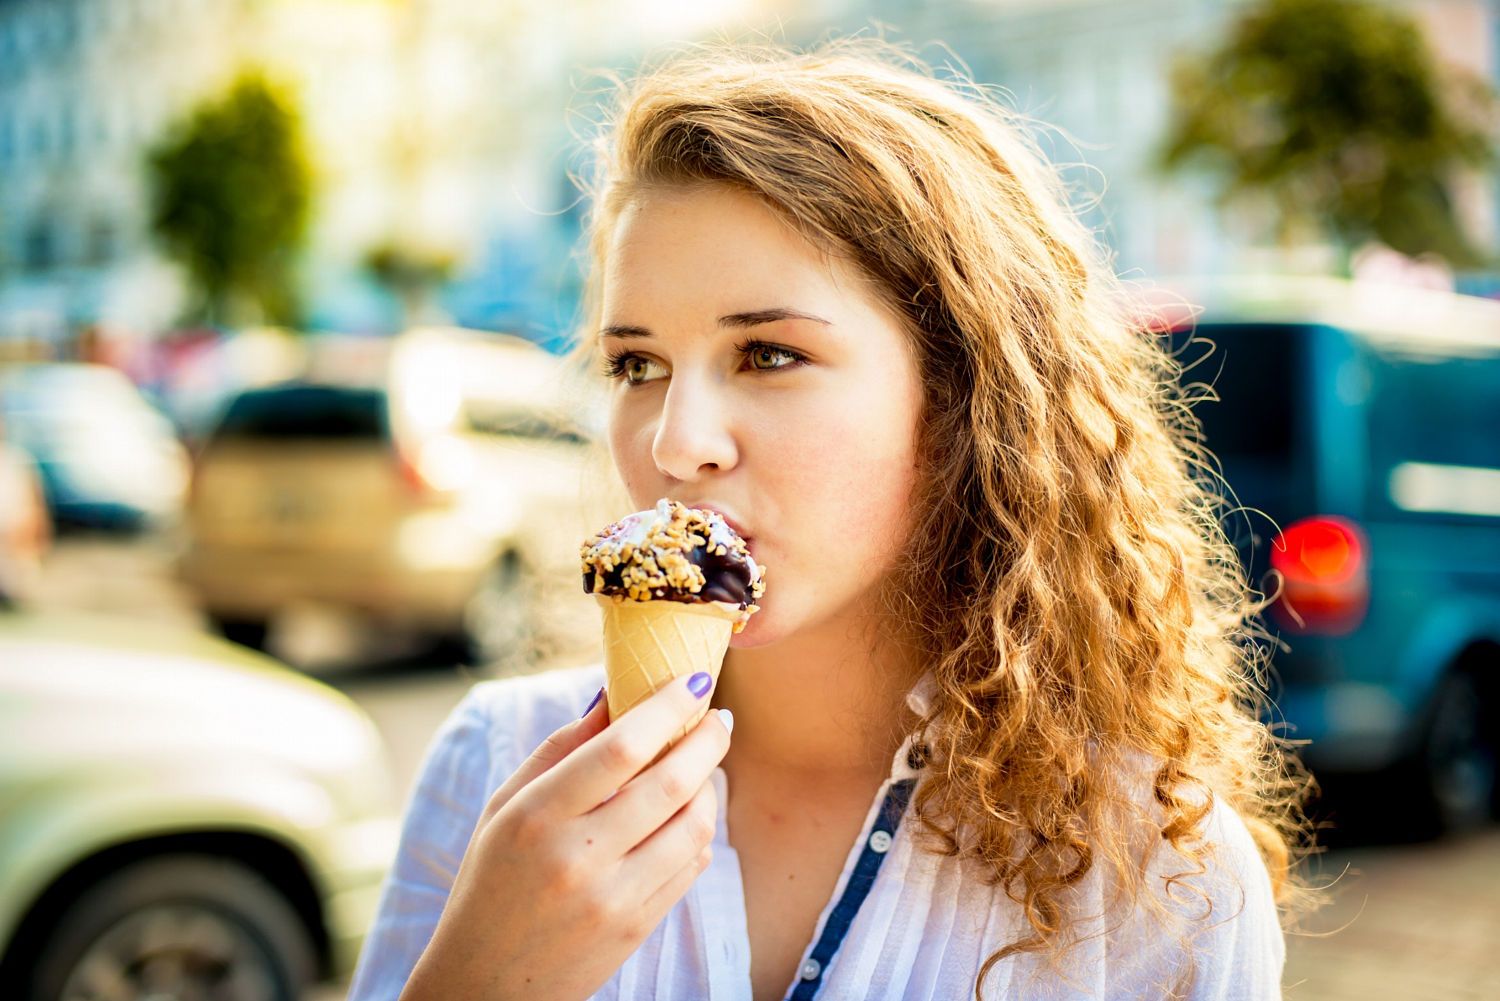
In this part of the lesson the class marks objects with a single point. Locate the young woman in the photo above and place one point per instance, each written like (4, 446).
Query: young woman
(994, 729)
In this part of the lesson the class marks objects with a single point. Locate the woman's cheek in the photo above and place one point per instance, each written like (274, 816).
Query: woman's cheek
(630, 446)
(811, 577)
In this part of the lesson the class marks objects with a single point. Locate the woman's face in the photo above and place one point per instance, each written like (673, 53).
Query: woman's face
(757, 376)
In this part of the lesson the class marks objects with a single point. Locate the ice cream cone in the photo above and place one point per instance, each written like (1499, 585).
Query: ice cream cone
(649, 643)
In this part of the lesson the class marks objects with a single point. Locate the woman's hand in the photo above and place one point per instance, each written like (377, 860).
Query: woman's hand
(578, 856)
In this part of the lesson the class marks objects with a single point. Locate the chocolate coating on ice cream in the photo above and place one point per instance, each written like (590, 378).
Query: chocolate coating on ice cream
(673, 553)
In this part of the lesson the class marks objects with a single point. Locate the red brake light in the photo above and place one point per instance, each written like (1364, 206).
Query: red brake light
(1324, 565)
(410, 475)
(436, 467)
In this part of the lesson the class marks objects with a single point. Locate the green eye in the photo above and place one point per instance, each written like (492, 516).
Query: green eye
(765, 356)
(634, 369)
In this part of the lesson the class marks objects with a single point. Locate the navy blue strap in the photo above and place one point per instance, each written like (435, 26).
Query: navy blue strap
(855, 891)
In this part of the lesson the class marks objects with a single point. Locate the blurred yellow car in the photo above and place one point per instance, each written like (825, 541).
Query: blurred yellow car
(442, 499)
(179, 817)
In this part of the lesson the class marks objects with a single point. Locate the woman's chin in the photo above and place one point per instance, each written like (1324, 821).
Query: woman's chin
(748, 638)
(788, 615)
(759, 631)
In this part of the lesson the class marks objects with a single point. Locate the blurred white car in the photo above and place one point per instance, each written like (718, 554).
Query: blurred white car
(106, 457)
(179, 817)
(444, 498)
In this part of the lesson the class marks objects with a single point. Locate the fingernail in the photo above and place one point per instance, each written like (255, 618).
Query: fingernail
(593, 703)
(700, 683)
(727, 718)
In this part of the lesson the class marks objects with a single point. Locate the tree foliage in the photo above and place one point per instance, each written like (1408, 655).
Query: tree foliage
(231, 192)
(1338, 113)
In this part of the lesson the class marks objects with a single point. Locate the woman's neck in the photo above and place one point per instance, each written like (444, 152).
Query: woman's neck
(825, 705)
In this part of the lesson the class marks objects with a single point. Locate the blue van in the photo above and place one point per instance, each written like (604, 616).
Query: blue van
(1358, 428)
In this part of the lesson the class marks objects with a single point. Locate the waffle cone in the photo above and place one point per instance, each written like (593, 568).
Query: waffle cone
(647, 644)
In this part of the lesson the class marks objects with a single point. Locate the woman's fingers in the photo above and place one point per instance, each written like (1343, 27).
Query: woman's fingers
(662, 789)
(604, 763)
(683, 838)
(559, 744)
(664, 899)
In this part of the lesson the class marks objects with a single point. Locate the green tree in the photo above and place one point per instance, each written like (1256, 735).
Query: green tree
(230, 189)
(1337, 114)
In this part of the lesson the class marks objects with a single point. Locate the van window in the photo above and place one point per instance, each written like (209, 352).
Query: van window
(303, 412)
(505, 419)
(1435, 453)
(1257, 429)
(1253, 369)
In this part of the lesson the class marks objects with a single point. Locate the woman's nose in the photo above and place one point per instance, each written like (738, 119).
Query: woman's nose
(693, 437)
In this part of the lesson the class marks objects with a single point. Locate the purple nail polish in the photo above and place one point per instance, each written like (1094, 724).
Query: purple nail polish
(593, 703)
(700, 683)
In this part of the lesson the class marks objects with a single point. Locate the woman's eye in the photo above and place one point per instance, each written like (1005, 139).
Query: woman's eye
(634, 369)
(768, 356)
(637, 370)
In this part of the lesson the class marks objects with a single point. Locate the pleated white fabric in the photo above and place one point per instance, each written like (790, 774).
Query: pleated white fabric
(922, 934)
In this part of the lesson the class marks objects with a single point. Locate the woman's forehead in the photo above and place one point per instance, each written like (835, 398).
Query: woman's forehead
(714, 221)
(726, 247)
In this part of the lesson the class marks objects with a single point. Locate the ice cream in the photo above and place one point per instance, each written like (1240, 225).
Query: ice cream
(674, 584)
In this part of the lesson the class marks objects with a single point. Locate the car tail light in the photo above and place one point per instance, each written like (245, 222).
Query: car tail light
(440, 465)
(1324, 564)
(410, 474)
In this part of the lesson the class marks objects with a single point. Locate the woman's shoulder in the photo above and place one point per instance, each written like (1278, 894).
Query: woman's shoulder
(1211, 892)
(1221, 828)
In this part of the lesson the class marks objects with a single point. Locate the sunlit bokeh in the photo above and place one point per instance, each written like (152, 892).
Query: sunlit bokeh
(291, 455)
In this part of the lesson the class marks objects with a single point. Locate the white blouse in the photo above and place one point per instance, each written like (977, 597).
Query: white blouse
(901, 924)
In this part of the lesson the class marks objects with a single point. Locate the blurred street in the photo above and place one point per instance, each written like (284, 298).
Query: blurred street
(1407, 921)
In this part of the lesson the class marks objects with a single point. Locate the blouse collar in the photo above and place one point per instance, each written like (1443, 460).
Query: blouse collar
(911, 758)
(921, 695)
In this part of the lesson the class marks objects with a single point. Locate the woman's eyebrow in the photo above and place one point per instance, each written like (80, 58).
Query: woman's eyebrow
(624, 330)
(752, 319)
(760, 316)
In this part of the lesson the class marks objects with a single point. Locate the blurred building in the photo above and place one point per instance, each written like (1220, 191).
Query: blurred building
(428, 121)
(449, 127)
(84, 87)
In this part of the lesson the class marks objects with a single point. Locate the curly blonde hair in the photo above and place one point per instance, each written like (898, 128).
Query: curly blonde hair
(1068, 578)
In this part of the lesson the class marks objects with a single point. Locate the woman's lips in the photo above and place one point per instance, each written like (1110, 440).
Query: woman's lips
(729, 519)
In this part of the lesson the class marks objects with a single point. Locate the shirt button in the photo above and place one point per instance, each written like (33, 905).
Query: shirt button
(811, 969)
(880, 841)
(916, 757)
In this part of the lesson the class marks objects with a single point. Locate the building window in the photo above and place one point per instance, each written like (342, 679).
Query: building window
(40, 250)
(67, 131)
(38, 138)
(66, 31)
(43, 32)
(22, 36)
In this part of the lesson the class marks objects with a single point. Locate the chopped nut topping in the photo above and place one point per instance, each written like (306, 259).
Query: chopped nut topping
(661, 565)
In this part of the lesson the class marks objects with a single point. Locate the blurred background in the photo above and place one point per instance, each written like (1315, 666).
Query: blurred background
(289, 458)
